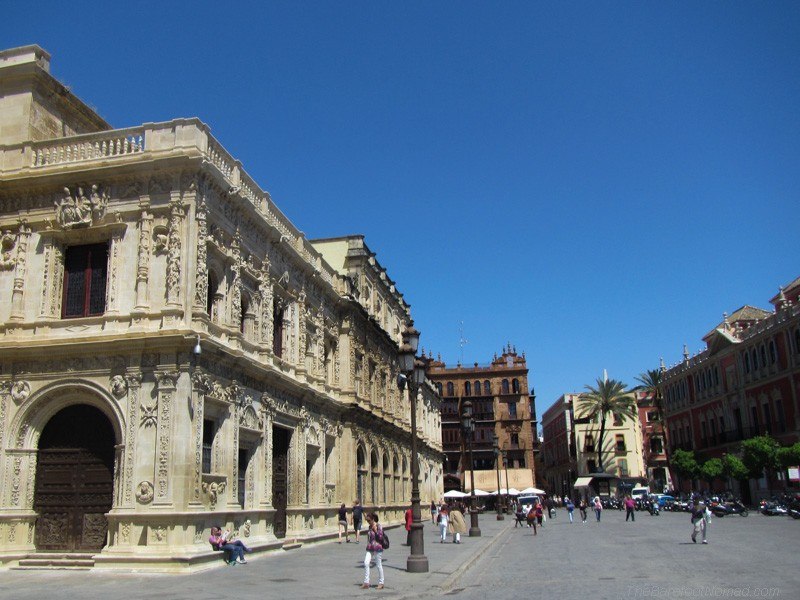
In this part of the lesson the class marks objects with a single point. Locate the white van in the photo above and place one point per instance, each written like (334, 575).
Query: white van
(639, 492)
(527, 501)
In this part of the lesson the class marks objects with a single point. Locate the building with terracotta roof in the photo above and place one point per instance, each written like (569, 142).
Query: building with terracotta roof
(745, 383)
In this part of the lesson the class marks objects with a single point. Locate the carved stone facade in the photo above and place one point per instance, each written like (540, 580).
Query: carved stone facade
(120, 252)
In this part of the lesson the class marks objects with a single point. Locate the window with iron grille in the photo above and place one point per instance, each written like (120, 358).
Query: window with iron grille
(241, 475)
(85, 271)
(209, 430)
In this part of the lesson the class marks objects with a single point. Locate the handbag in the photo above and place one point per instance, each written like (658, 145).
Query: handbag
(384, 540)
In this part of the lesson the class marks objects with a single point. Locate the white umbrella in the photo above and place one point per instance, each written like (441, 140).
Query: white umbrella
(532, 490)
(481, 493)
(513, 491)
(454, 494)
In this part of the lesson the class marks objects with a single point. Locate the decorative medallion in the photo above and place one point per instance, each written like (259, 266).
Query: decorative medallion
(118, 386)
(144, 492)
(20, 390)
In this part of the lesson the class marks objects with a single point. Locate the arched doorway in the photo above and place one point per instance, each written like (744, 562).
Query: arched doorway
(74, 480)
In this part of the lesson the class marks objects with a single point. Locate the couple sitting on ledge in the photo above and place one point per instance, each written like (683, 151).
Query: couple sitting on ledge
(224, 541)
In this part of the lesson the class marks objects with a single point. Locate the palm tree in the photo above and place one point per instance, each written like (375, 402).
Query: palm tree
(651, 381)
(608, 398)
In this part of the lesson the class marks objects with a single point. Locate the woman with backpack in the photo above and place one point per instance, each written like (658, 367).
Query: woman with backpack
(375, 545)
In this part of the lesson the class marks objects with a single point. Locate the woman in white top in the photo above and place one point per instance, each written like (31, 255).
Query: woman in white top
(444, 519)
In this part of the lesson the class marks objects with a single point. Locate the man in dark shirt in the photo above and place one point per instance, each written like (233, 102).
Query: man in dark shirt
(358, 513)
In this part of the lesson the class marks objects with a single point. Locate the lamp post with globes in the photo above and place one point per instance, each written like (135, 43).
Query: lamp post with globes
(496, 449)
(468, 427)
(412, 373)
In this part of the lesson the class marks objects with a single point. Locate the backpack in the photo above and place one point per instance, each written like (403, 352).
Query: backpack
(384, 540)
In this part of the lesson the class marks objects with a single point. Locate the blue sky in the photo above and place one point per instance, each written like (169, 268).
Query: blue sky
(593, 182)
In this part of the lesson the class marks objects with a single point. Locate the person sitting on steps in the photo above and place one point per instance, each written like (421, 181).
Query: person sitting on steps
(234, 548)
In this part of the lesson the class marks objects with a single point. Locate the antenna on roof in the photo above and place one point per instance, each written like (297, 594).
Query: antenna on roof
(461, 340)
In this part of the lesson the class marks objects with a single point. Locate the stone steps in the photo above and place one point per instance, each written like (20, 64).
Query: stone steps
(56, 561)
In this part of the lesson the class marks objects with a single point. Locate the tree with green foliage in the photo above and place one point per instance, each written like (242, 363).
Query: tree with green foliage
(710, 470)
(733, 467)
(685, 464)
(760, 454)
(789, 456)
(608, 398)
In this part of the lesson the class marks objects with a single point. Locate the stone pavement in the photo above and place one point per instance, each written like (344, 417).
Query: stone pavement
(754, 557)
(651, 558)
(323, 570)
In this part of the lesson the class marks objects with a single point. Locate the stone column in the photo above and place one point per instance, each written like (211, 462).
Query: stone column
(199, 389)
(134, 380)
(174, 252)
(143, 263)
(5, 392)
(166, 386)
(267, 307)
(18, 291)
(115, 264)
(201, 275)
(266, 448)
(236, 412)
(236, 285)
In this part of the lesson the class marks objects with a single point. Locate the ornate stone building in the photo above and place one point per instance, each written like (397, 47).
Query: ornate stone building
(501, 406)
(174, 353)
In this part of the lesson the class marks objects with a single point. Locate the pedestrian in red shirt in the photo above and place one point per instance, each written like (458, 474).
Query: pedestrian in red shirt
(409, 520)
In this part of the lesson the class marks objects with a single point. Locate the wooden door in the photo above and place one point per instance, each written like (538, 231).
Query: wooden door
(74, 491)
(280, 478)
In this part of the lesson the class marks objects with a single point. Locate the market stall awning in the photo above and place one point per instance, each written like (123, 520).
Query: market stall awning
(582, 482)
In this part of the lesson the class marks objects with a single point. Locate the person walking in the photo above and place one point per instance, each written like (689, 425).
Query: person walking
(701, 517)
(532, 519)
(343, 523)
(358, 513)
(630, 508)
(374, 550)
(582, 508)
(434, 511)
(598, 507)
(409, 519)
(570, 509)
(443, 523)
(539, 512)
(457, 525)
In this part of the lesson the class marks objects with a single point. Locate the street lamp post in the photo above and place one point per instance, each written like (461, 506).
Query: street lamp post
(468, 426)
(496, 449)
(508, 494)
(413, 374)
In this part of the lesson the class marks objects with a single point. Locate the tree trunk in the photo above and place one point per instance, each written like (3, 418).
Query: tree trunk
(600, 442)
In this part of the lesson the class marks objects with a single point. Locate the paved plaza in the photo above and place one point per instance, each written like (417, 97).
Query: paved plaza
(653, 557)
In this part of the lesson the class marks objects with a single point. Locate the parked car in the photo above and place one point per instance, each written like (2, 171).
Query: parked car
(664, 500)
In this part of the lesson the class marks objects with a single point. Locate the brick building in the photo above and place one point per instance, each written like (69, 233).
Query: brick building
(745, 383)
(653, 443)
(501, 405)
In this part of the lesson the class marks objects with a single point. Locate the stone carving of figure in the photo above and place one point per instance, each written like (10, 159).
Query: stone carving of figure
(74, 210)
(7, 244)
(98, 203)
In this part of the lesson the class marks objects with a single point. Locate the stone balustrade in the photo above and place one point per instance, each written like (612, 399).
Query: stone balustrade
(145, 142)
(87, 147)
